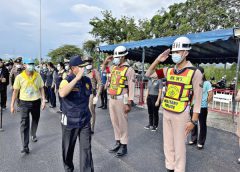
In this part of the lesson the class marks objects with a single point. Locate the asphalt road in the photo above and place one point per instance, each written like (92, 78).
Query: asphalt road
(145, 148)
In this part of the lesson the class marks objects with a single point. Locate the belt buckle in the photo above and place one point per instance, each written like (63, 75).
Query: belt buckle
(113, 97)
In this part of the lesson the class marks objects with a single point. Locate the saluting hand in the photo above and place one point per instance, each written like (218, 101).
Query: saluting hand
(162, 57)
(108, 59)
(80, 73)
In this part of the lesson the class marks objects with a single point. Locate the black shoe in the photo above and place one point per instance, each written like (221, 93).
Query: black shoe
(59, 111)
(122, 151)
(170, 170)
(154, 128)
(199, 147)
(92, 132)
(100, 106)
(25, 150)
(104, 107)
(34, 139)
(148, 127)
(192, 142)
(115, 147)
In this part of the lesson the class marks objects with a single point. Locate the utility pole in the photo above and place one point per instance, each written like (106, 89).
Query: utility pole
(40, 34)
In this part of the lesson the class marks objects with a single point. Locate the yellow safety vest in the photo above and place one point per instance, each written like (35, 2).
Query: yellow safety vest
(117, 79)
(30, 80)
(179, 90)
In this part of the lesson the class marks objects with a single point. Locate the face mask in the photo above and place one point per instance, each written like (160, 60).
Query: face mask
(18, 66)
(89, 67)
(58, 68)
(85, 71)
(177, 58)
(116, 61)
(44, 67)
(67, 67)
(30, 68)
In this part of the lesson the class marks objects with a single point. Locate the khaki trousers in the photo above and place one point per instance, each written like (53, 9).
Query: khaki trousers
(119, 120)
(174, 140)
(92, 110)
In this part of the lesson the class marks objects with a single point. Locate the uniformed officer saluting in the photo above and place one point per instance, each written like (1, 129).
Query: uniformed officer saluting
(75, 90)
(121, 91)
(183, 81)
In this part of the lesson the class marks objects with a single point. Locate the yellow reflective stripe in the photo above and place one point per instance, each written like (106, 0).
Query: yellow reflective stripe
(188, 86)
(184, 99)
(122, 86)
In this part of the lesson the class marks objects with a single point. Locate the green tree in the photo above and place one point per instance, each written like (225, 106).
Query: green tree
(196, 16)
(65, 51)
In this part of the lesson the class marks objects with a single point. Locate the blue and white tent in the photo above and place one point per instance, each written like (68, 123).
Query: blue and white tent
(218, 46)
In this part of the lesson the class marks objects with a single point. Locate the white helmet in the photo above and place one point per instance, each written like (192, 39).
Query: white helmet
(120, 51)
(181, 43)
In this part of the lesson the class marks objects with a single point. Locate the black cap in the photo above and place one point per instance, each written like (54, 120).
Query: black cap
(1, 60)
(76, 61)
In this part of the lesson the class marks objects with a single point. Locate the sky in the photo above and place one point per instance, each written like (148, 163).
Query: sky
(63, 22)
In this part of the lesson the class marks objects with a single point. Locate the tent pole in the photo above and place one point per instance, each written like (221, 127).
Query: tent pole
(141, 101)
(236, 85)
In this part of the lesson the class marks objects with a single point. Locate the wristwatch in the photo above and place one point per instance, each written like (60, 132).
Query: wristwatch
(194, 122)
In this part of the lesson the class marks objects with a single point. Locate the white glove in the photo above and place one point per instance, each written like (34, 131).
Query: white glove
(95, 99)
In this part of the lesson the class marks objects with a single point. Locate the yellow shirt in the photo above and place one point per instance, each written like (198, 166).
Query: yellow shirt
(28, 92)
(63, 83)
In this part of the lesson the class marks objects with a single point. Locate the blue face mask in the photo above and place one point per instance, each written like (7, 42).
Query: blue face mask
(177, 58)
(116, 61)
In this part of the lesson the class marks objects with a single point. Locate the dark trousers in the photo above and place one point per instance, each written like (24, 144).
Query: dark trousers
(46, 93)
(27, 107)
(69, 137)
(203, 127)
(60, 102)
(3, 96)
(104, 97)
(52, 96)
(153, 110)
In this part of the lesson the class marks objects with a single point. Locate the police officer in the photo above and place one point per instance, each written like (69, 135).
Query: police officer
(238, 124)
(16, 70)
(94, 75)
(121, 92)
(183, 82)
(75, 91)
(103, 95)
(4, 81)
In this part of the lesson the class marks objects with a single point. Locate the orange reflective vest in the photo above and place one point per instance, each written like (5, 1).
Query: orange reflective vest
(179, 90)
(117, 79)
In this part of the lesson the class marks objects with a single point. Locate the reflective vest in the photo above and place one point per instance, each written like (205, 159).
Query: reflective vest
(117, 79)
(179, 90)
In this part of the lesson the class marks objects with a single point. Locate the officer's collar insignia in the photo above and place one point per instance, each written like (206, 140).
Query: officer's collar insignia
(87, 86)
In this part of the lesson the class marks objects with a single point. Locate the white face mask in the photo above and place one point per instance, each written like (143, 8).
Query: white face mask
(58, 68)
(116, 61)
(18, 66)
(67, 67)
(89, 67)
